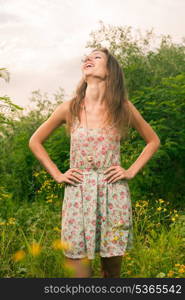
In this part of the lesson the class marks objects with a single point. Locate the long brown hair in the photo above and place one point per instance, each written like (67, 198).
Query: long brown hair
(116, 97)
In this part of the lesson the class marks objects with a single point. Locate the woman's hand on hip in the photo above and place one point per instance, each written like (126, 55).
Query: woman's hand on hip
(115, 173)
(70, 176)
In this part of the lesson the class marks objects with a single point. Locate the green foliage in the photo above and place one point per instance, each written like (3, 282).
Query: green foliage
(21, 164)
(144, 64)
(164, 108)
(156, 83)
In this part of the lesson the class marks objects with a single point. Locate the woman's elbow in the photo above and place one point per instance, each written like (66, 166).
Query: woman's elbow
(32, 142)
(156, 143)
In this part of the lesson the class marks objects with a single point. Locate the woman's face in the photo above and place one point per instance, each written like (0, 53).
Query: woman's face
(95, 65)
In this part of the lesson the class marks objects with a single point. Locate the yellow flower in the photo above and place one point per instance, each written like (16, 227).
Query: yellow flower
(137, 205)
(161, 200)
(129, 272)
(49, 201)
(19, 255)
(11, 221)
(170, 273)
(173, 219)
(61, 245)
(181, 270)
(175, 211)
(128, 258)
(159, 208)
(36, 174)
(164, 209)
(2, 223)
(35, 249)
(56, 229)
(177, 265)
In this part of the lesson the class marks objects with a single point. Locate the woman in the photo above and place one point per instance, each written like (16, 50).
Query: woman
(96, 212)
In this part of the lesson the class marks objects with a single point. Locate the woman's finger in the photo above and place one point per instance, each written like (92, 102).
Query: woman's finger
(111, 174)
(77, 170)
(71, 182)
(116, 177)
(75, 177)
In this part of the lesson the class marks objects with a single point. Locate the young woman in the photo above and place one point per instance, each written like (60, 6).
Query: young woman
(96, 212)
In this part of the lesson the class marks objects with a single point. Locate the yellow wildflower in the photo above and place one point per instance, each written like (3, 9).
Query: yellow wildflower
(19, 255)
(49, 201)
(128, 258)
(2, 223)
(173, 219)
(177, 265)
(56, 229)
(36, 174)
(181, 270)
(61, 245)
(35, 249)
(170, 273)
(164, 209)
(161, 200)
(159, 208)
(11, 221)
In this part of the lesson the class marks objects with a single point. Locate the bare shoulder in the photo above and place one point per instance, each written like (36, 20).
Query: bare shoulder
(61, 111)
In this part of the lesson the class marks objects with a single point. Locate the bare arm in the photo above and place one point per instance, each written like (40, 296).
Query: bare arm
(57, 118)
(148, 134)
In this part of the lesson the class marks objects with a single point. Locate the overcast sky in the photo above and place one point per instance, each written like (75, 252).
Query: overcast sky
(42, 41)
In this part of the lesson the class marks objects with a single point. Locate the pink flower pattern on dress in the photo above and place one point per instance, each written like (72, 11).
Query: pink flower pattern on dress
(96, 215)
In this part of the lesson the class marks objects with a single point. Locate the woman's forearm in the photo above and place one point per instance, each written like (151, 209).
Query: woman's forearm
(144, 157)
(44, 158)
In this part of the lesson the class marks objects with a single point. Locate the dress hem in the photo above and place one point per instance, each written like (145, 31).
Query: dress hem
(122, 254)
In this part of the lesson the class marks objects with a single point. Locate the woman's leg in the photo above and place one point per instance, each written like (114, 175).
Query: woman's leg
(82, 268)
(111, 266)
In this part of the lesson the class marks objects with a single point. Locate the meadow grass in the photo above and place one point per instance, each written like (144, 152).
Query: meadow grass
(30, 244)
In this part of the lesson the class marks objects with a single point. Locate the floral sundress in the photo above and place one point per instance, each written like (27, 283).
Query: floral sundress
(96, 215)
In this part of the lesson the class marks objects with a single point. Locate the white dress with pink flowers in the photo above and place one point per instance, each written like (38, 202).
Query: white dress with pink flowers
(96, 215)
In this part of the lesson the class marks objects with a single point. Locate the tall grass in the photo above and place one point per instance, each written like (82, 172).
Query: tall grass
(30, 243)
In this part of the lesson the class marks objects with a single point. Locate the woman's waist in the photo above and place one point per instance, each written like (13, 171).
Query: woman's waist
(85, 169)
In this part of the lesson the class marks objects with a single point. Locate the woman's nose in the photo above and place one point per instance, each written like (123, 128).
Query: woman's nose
(88, 59)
